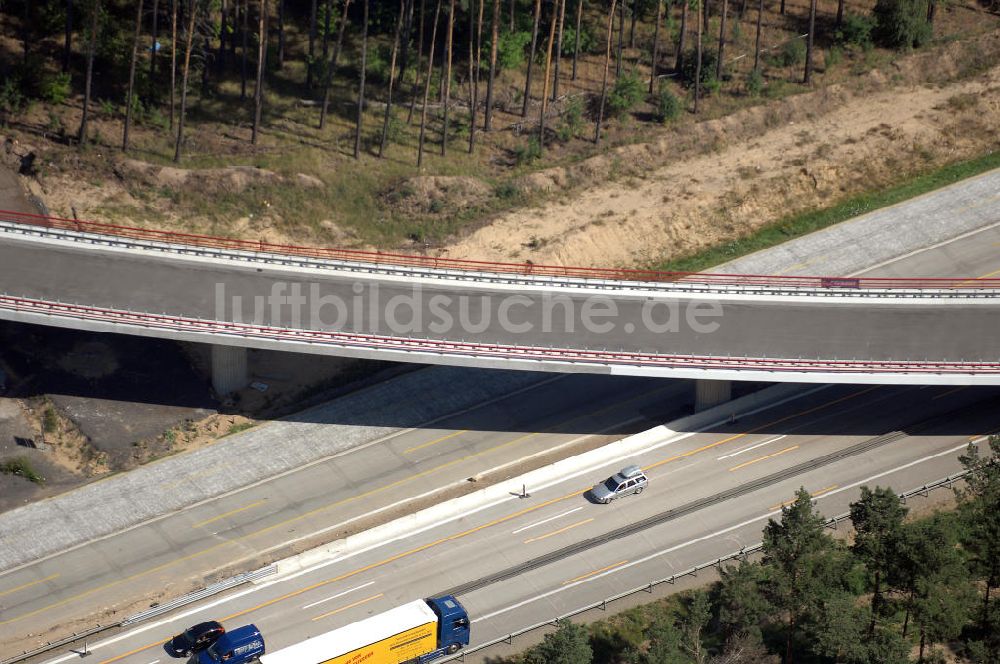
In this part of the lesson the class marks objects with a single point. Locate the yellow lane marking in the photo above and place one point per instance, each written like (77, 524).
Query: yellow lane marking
(951, 391)
(737, 436)
(763, 458)
(28, 585)
(556, 532)
(444, 540)
(814, 494)
(349, 606)
(596, 571)
(436, 441)
(380, 563)
(982, 276)
(230, 513)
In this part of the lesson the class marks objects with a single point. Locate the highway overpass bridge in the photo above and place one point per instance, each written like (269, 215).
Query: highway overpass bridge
(237, 294)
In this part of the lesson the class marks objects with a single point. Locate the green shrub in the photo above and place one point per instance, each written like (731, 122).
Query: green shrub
(626, 93)
(510, 50)
(588, 43)
(901, 23)
(21, 467)
(50, 421)
(668, 106)
(572, 119)
(55, 89)
(856, 30)
(833, 57)
(755, 83)
(525, 154)
(688, 69)
(792, 53)
(11, 98)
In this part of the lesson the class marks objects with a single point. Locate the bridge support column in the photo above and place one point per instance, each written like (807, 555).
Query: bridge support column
(708, 393)
(229, 369)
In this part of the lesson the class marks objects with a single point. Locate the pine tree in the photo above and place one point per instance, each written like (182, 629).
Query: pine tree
(189, 41)
(741, 604)
(427, 86)
(131, 75)
(531, 58)
(361, 83)
(392, 78)
(331, 66)
(607, 65)
(567, 645)
(878, 521)
(495, 27)
(576, 45)
(258, 91)
(979, 507)
(95, 13)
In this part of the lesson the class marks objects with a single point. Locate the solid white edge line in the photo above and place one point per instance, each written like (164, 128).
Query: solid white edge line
(340, 594)
(717, 533)
(222, 600)
(551, 518)
(752, 447)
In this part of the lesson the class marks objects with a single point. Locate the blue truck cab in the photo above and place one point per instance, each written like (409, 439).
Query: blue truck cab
(240, 646)
(453, 626)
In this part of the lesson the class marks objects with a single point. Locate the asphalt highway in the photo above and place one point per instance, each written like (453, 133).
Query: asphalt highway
(830, 442)
(841, 327)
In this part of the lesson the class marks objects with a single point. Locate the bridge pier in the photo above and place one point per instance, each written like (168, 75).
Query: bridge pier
(229, 369)
(708, 393)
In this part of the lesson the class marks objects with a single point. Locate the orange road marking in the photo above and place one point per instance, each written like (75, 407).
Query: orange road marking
(230, 513)
(596, 571)
(815, 494)
(764, 458)
(28, 585)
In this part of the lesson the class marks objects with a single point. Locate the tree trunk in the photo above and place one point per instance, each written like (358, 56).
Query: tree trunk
(722, 40)
(189, 42)
(404, 45)
(621, 39)
(923, 641)
(840, 12)
(906, 618)
(607, 66)
(809, 43)
(332, 65)
(244, 67)
(420, 55)
(154, 50)
(513, 3)
(312, 45)
(756, 48)
(631, 29)
(474, 70)
(985, 620)
(782, 11)
(548, 64)
(656, 45)
(531, 57)
(280, 55)
(875, 603)
(258, 91)
(791, 616)
(697, 67)
(427, 82)
(206, 56)
(361, 83)
(743, 9)
(558, 47)
(447, 76)
(26, 23)
(68, 37)
(131, 75)
(220, 61)
(931, 8)
(173, 59)
(91, 47)
(576, 46)
(392, 77)
(488, 120)
(327, 11)
(682, 37)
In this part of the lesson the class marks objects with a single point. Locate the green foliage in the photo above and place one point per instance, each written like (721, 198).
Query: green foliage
(510, 49)
(664, 643)
(979, 508)
(688, 69)
(567, 645)
(792, 53)
(55, 89)
(698, 611)
(11, 98)
(755, 83)
(627, 91)
(529, 152)
(572, 119)
(668, 106)
(741, 604)
(901, 24)
(50, 421)
(878, 519)
(588, 42)
(856, 30)
(21, 467)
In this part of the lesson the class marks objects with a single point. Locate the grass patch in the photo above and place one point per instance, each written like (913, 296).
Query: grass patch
(804, 223)
(21, 467)
(242, 426)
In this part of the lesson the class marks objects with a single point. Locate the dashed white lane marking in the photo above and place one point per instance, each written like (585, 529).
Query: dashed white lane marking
(340, 594)
(752, 447)
(551, 518)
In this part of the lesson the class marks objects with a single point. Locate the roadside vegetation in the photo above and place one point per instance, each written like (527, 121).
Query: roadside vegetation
(21, 467)
(898, 590)
(245, 117)
(802, 224)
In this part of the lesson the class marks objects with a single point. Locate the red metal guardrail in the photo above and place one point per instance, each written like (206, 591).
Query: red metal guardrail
(487, 350)
(530, 269)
